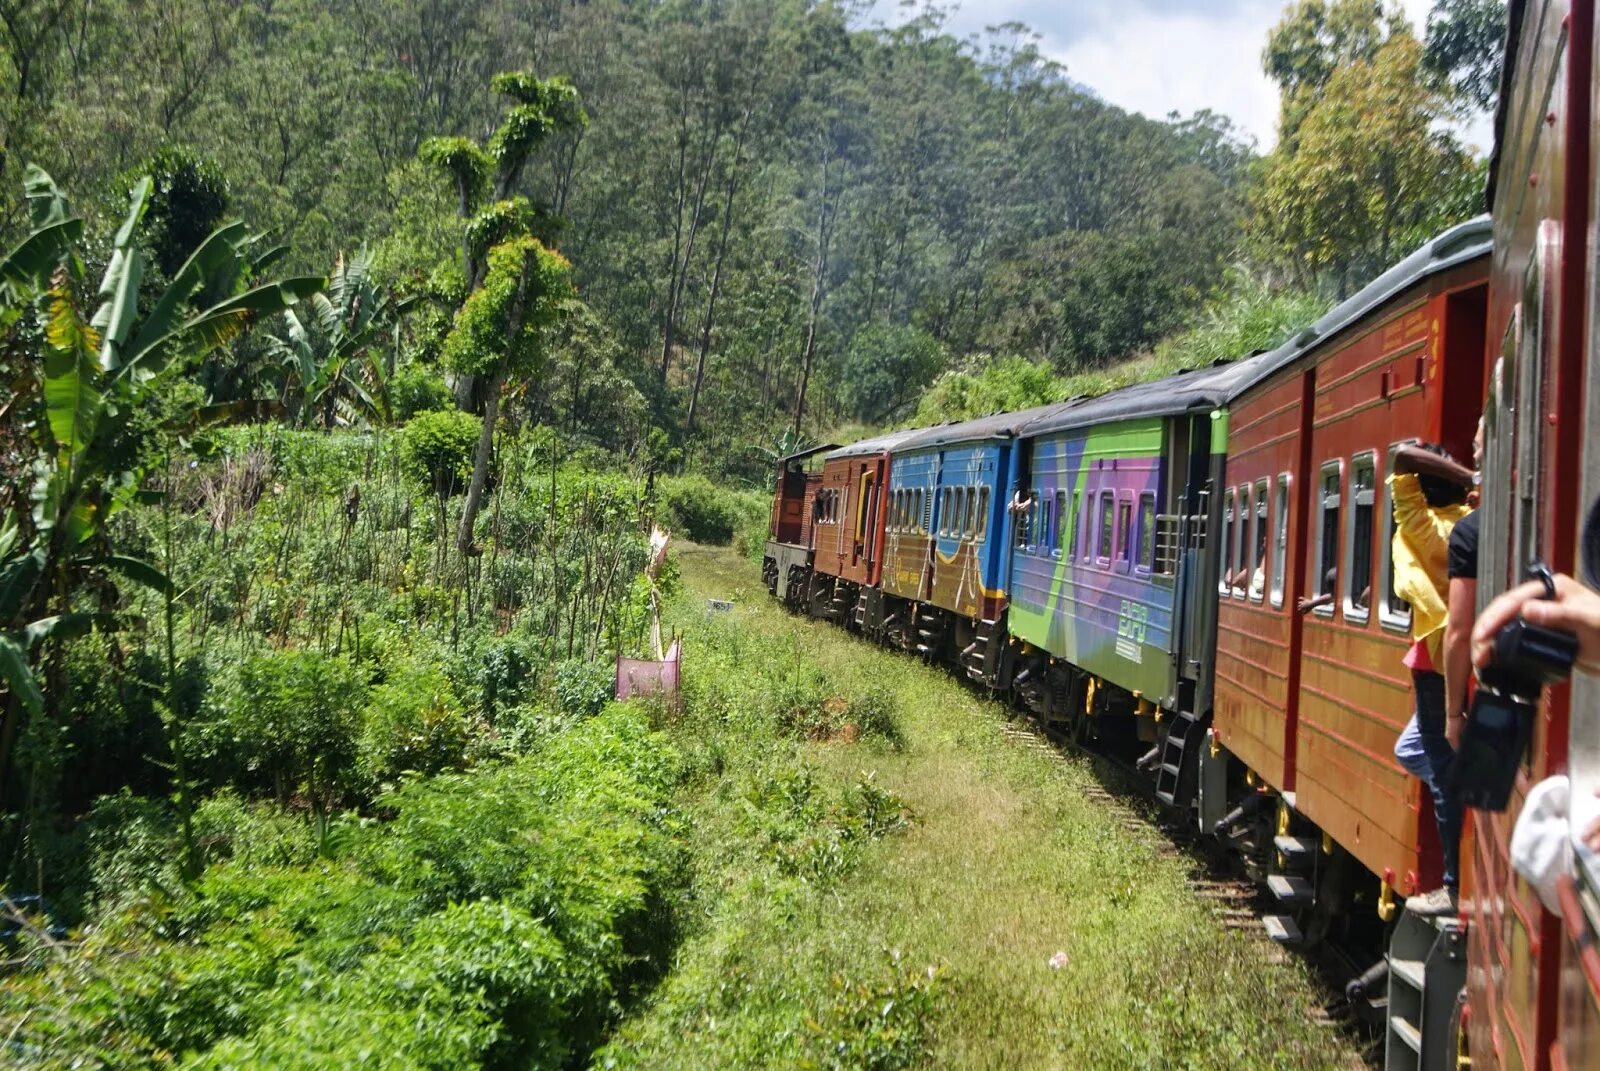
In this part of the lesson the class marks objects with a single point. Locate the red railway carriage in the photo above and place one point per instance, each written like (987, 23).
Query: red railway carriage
(1534, 978)
(786, 561)
(850, 511)
(1312, 704)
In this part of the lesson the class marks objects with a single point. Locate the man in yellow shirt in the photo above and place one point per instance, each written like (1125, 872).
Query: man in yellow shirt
(1429, 492)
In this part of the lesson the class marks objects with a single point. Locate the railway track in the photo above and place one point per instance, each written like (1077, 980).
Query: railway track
(1216, 877)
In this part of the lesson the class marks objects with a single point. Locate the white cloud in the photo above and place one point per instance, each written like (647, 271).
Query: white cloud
(1159, 56)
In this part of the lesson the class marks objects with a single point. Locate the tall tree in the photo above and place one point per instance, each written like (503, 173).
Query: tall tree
(500, 335)
(1368, 174)
(487, 179)
(1465, 45)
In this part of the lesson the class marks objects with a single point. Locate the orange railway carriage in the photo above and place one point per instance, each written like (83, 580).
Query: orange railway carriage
(1533, 977)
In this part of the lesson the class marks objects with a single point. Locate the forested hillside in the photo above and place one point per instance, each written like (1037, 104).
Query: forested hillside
(776, 216)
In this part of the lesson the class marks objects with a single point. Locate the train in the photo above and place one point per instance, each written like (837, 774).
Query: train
(1128, 569)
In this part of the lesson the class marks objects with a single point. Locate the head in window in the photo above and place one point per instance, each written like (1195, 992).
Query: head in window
(1438, 491)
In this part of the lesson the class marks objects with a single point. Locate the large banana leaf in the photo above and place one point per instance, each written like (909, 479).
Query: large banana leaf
(65, 627)
(30, 263)
(18, 576)
(18, 675)
(47, 205)
(72, 399)
(137, 570)
(204, 332)
(119, 289)
(165, 316)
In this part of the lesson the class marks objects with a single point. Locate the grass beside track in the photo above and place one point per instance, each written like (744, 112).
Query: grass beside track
(924, 933)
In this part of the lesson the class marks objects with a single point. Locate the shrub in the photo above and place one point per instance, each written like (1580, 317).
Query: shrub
(417, 389)
(696, 508)
(436, 450)
(414, 722)
(880, 1024)
(582, 689)
(294, 718)
(133, 845)
(498, 919)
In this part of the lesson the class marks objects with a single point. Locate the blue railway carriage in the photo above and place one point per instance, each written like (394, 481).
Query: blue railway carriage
(944, 577)
(1114, 596)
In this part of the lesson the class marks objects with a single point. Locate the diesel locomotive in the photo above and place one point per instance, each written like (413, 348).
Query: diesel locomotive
(1128, 568)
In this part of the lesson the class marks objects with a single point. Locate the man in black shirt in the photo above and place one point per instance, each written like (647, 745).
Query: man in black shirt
(1463, 607)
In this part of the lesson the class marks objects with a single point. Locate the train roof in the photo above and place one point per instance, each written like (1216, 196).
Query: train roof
(1217, 385)
(875, 445)
(1204, 388)
(981, 429)
(801, 455)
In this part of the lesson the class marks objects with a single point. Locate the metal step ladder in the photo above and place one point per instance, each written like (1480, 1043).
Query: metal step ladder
(1182, 734)
(976, 653)
(1427, 968)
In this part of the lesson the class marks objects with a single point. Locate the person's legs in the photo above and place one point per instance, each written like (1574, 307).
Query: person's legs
(1430, 718)
(1408, 749)
(1431, 750)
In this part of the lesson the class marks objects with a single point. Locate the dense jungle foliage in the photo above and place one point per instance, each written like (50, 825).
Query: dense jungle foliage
(347, 359)
(776, 214)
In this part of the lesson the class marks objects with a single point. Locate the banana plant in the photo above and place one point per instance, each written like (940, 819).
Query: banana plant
(332, 347)
(89, 399)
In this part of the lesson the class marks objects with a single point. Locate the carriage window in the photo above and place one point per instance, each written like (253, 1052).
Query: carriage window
(1258, 550)
(924, 511)
(958, 521)
(972, 512)
(1087, 525)
(1106, 521)
(1147, 531)
(1125, 530)
(1071, 540)
(983, 513)
(1358, 582)
(1036, 525)
(1394, 612)
(1022, 524)
(1280, 540)
(1327, 577)
(945, 508)
(1063, 524)
(1227, 565)
(1240, 537)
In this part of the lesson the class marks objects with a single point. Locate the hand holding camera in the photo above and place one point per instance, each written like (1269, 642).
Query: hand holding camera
(1519, 645)
(1572, 609)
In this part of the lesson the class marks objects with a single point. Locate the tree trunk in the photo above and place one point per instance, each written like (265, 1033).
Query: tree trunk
(480, 461)
(819, 291)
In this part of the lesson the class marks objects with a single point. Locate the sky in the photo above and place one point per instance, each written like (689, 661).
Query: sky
(1157, 56)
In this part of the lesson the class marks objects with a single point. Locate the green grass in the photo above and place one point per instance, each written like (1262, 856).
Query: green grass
(928, 944)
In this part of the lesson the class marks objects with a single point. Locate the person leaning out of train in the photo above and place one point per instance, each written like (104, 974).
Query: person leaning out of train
(1429, 491)
(1541, 844)
(1461, 604)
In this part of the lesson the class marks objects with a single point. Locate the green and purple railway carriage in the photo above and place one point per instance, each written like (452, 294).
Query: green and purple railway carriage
(1113, 600)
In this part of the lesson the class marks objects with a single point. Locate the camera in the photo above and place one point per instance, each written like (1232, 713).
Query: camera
(1526, 658)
